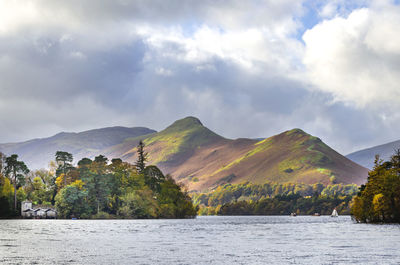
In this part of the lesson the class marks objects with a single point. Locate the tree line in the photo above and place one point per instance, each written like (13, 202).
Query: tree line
(379, 199)
(287, 204)
(274, 198)
(96, 188)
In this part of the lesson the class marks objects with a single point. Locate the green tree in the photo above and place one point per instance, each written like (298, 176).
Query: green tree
(100, 180)
(15, 170)
(96, 177)
(174, 202)
(21, 195)
(139, 204)
(153, 177)
(71, 201)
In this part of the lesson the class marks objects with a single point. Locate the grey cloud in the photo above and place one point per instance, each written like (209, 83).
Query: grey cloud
(100, 71)
(175, 11)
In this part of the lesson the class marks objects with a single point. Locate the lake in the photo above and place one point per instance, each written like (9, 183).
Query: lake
(205, 240)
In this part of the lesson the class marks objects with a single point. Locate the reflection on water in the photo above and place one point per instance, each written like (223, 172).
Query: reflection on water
(205, 240)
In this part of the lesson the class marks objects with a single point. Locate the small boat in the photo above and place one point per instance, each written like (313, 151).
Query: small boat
(317, 214)
(293, 214)
(334, 213)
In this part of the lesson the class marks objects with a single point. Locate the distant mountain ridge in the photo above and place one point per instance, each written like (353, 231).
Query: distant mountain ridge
(37, 153)
(366, 157)
(202, 159)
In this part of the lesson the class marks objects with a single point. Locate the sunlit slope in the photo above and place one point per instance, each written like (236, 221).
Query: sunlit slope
(292, 156)
(201, 159)
(172, 146)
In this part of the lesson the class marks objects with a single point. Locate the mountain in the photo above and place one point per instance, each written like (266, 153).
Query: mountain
(202, 159)
(38, 152)
(366, 157)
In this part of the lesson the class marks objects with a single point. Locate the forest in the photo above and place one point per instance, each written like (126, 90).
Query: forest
(275, 199)
(379, 199)
(96, 188)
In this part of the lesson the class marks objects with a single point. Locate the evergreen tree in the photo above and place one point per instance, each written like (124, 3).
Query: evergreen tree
(142, 158)
(15, 170)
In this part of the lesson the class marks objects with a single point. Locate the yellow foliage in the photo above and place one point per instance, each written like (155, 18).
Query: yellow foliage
(37, 183)
(60, 181)
(379, 203)
(78, 183)
(21, 195)
(8, 189)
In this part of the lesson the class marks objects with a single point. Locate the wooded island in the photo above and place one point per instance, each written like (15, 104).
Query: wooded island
(94, 188)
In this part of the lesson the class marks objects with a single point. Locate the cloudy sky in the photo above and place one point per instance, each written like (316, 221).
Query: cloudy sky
(245, 68)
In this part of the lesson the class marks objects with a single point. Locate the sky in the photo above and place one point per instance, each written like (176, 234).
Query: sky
(244, 68)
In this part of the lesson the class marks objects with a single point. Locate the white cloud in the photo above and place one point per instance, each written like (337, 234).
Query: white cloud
(13, 14)
(357, 58)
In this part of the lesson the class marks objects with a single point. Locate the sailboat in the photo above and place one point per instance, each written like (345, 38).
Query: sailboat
(334, 213)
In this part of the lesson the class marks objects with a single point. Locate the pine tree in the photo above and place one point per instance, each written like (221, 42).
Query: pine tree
(142, 158)
(15, 170)
(64, 160)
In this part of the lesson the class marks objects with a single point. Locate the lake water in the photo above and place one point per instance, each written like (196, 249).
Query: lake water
(205, 240)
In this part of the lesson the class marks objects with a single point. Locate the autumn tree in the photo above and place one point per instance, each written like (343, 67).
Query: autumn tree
(71, 201)
(6, 190)
(64, 161)
(379, 199)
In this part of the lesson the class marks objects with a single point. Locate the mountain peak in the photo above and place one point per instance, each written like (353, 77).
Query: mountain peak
(185, 124)
(190, 120)
(296, 131)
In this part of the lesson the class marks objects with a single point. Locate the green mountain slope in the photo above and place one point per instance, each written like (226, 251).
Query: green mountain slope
(293, 156)
(172, 145)
(202, 159)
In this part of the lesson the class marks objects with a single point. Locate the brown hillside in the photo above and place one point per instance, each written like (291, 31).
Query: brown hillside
(201, 159)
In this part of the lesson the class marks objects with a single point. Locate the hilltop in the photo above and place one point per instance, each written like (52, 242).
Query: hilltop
(366, 157)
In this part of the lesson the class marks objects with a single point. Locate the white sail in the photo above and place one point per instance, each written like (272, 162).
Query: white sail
(334, 213)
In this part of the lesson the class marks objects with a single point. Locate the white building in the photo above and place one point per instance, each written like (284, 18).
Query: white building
(39, 212)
